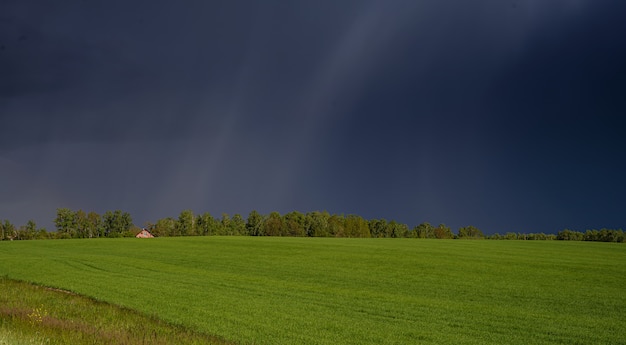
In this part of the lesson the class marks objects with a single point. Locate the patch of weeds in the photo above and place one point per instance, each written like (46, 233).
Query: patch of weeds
(36, 317)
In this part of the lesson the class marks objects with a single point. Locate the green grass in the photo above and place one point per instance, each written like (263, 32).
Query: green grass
(31, 314)
(347, 291)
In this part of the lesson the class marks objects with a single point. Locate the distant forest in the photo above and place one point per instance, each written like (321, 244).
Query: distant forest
(80, 224)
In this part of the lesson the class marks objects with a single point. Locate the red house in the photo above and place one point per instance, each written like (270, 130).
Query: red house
(144, 234)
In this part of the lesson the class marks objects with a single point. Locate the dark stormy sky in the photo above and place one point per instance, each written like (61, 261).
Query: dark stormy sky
(507, 115)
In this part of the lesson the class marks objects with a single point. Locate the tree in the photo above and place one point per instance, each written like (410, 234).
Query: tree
(378, 227)
(116, 223)
(495, 236)
(424, 230)
(590, 235)
(336, 225)
(237, 225)
(443, 232)
(186, 225)
(31, 229)
(108, 222)
(470, 232)
(397, 230)
(510, 236)
(273, 224)
(164, 227)
(64, 223)
(224, 225)
(318, 224)
(356, 226)
(125, 221)
(27, 232)
(294, 223)
(7, 230)
(254, 224)
(42, 234)
(21, 233)
(570, 235)
(81, 223)
(94, 225)
(206, 225)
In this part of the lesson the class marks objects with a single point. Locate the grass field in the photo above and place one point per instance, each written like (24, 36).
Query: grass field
(31, 314)
(347, 291)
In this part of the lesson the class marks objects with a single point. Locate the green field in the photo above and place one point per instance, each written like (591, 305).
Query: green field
(32, 314)
(267, 290)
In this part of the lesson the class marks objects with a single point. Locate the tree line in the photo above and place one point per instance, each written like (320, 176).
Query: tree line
(80, 224)
(74, 224)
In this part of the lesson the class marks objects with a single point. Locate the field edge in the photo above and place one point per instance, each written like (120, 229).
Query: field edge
(33, 313)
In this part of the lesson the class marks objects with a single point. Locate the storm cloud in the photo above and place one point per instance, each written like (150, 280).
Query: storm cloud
(505, 115)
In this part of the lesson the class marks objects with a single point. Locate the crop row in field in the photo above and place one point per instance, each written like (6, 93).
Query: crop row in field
(348, 291)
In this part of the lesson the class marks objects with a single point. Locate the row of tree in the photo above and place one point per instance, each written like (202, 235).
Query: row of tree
(602, 235)
(30, 231)
(312, 224)
(80, 224)
(74, 224)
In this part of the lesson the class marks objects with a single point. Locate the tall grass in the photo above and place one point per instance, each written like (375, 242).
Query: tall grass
(347, 291)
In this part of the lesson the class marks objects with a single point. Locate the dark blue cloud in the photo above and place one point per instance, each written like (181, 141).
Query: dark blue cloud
(502, 115)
